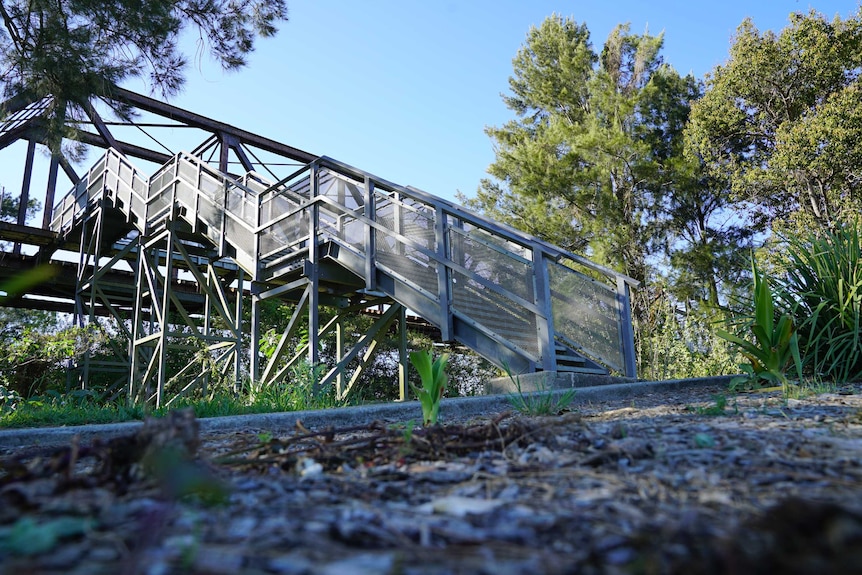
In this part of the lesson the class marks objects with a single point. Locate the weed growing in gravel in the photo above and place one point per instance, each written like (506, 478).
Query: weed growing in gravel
(27, 537)
(265, 437)
(704, 441)
(718, 408)
(406, 430)
(434, 379)
(808, 388)
(541, 402)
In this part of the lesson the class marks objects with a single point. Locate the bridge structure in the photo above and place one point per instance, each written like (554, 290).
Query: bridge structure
(178, 250)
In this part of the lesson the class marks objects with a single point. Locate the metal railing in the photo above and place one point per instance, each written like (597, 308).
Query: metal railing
(521, 292)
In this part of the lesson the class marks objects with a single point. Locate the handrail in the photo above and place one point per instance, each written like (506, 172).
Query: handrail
(99, 168)
(508, 232)
(240, 210)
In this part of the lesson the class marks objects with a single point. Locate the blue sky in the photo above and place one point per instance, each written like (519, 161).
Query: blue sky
(404, 88)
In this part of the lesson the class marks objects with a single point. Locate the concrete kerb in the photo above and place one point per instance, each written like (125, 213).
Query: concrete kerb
(454, 408)
(550, 380)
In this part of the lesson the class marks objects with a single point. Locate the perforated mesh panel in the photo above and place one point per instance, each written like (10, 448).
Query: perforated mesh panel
(279, 234)
(489, 260)
(585, 311)
(241, 205)
(495, 312)
(186, 196)
(404, 259)
(112, 176)
(188, 171)
(158, 204)
(161, 178)
(349, 193)
(283, 234)
(344, 191)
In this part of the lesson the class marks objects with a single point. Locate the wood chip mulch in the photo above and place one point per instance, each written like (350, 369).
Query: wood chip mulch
(690, 481)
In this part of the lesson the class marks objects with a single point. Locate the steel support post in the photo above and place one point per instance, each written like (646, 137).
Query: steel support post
(146, 314)
(403, 365)
(24, 199)
(111, 297)
(542, 298)
(627, 334)
(444, 295)
(51, 188)
(207, 324)
(254, 336)
(370, 212)
(339, 355)
(314, 286)
(366, 346)
(165, 308)
(88, 265)
(237, 351)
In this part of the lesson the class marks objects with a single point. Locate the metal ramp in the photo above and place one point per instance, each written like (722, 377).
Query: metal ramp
(332, 234)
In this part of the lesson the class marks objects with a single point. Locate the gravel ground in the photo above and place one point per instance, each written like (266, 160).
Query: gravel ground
(685, 480)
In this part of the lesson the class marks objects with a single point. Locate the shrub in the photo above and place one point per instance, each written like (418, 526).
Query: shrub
(774, 343)
(823, 290)
(675, 342)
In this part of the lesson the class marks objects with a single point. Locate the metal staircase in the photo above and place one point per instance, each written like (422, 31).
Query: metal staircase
(330, 230)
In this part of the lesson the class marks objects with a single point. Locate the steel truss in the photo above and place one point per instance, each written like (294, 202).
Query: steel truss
(361, 352)
(207, 247)
(102, 301)
(162, 323)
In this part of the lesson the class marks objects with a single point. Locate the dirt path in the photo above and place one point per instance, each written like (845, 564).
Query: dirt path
(672, 482)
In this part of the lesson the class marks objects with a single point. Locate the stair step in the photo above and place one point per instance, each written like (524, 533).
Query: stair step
(571, 361)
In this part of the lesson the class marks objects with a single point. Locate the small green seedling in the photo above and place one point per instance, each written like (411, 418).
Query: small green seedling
(718, 408)
(434, 379)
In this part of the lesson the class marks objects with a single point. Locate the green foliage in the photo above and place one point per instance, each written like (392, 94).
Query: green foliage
(298, 392)
(678, 343)
(540, 402)
(469, 372)
(774, 344)
(9, 399)
(823, 289)
(81, 49)
(79, 407)
(77, 49)
(433, 377)
(9, 207)
(265, 437)
(781, 119)
(23, 281)
(704, 441)
(378, 381)
(575, 167)
(809, 387)
(182, 478)
(594, 162)
(34, 350)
